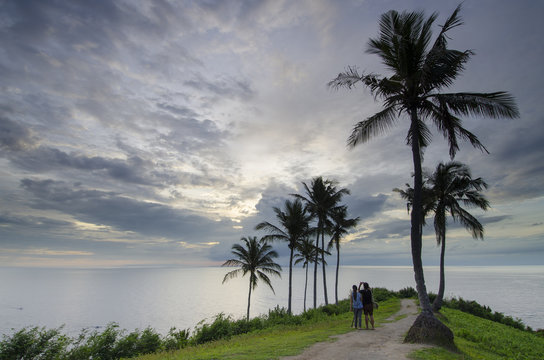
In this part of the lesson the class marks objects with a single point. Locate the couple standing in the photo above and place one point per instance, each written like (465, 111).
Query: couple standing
(361, 301)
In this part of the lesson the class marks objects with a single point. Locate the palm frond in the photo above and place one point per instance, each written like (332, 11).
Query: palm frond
(266, 280)
(379, 123)
(494, 105)
(231, 274)
(347, 79)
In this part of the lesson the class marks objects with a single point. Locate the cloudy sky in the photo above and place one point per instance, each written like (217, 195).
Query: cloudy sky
(136, 133)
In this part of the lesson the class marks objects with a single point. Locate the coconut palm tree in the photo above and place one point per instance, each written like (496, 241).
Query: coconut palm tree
(257, 259)
(421, 69)
(306, 251)
(321, 197)
(453, 187)
(340, 227)
(445, 191)
(294, 222)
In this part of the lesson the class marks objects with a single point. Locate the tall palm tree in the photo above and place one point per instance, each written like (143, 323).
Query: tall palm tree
(294, 228)
(340, 227)
(321, 197)
(445, 191)
(306, 251)
(255, 258)
(453, 187)
(420, 71)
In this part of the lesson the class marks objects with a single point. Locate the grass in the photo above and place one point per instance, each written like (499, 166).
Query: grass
(281, 340)
(478, 338)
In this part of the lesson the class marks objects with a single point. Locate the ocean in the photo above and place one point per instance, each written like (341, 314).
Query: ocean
(161, 298)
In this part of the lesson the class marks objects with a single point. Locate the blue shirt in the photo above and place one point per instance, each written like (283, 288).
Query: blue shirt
(358, 302)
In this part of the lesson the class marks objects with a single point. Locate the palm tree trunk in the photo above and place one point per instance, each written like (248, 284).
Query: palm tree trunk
(315, 264)
(305, 287)
(249, 296)
(437, 304)
(426, 328)
(324, 266)
(337, 270)
(290, 281)
(416, 230)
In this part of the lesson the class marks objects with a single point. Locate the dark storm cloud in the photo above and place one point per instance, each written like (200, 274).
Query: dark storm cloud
(120, 212)
(45, 159)
(14, 136)
(365, 207)
(35, 222)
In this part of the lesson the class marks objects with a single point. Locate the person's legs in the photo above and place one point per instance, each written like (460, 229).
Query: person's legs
(359, 315)
(354, 321)
(367, 311)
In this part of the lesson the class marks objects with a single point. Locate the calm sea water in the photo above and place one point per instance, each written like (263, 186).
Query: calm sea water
(181, 297)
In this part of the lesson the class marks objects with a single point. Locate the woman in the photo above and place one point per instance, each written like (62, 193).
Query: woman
(368, 304)
(356, 305)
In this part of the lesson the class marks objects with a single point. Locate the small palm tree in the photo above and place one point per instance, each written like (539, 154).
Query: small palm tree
(321, 197)
(453, 187)
(295, 226)
(420, 70)
(445, 191)
(306, 251)
(340, 227)
(256, 258)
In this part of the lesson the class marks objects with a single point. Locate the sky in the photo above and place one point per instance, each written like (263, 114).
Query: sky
(158, 133)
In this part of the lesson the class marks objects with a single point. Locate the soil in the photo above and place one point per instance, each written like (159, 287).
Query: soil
(386, 342)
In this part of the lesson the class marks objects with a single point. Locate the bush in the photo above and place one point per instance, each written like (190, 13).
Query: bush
(220, 328)
(34, 343)
(407, 292)
(382, 294)
(176, 339)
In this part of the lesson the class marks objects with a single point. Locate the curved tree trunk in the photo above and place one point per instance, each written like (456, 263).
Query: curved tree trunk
(290, 281)
(427, 328)
(416, 230)
(437, 304)
(324, 266)
(337, 270)
(249, 297)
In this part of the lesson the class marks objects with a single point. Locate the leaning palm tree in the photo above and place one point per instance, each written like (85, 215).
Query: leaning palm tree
(294, 228)
(453, 187)
(255, 258)
(421, 69)
(340, 227)
(321, 197)
(306, 251)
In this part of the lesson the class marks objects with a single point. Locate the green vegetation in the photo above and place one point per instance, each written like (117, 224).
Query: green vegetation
(112, 343)
(289, 336)
(482, 334)
(478, 338)
(473, 308)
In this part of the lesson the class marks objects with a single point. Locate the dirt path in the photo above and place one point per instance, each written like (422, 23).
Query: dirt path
(383, 343)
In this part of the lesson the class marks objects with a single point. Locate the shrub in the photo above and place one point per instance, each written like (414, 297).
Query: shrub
(34, 343)
(176, 339)
(407, 292)
(382, 294)
(220, 328)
